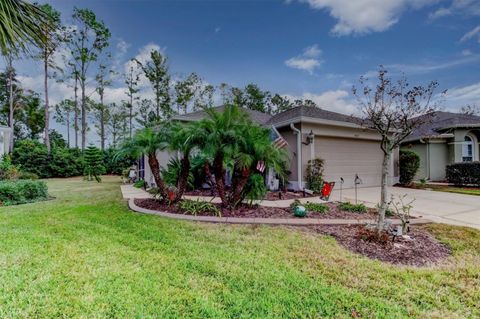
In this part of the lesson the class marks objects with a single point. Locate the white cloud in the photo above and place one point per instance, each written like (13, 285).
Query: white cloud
(217, 29)
(308, 61)
(427, 67)
(461, 96)
(122, 46)
(467, 52)
(365, 16)
(457, 7)
(335, 100)
(474, 33)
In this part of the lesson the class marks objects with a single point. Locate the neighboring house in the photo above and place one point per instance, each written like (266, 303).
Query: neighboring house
(348, 149)
(4, 139)
(448, 138)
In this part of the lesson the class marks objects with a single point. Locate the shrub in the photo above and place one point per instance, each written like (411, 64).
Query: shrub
(409, 164)
(116, 162)
(317, 207)
(314, 175)
(32, 157)
(8, 171)
(354, 208)
(27, 175)
(22, 191)
(255, 188)
(139, 184)
(194, 207)
(464, 173)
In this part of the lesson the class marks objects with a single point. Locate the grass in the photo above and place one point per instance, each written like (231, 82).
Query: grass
(85, 254)
(452, 189)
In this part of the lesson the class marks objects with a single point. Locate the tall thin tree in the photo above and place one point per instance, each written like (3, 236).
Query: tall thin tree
(87, 39)
(132, 78)
(48, 48)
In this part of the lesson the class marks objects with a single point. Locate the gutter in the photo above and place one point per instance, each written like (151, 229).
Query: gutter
(299, 155)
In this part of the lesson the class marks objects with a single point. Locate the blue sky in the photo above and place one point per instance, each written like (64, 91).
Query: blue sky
(312, 48)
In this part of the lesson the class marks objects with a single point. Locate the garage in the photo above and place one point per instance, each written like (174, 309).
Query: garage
(347, 157)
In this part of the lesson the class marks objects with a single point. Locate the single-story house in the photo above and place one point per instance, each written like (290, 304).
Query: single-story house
(348, 149)
(448, 138)
(5, 132)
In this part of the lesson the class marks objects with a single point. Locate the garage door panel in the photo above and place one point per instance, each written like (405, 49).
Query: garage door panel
(348, 157)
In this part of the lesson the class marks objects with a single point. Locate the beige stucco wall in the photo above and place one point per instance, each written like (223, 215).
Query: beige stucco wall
(421, 150)
(346, 151)
(438, 154)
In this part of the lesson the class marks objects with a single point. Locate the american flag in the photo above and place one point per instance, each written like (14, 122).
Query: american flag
(280, 142)
(261, 166)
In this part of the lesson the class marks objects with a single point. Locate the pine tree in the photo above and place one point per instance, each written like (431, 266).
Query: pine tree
(93, 164)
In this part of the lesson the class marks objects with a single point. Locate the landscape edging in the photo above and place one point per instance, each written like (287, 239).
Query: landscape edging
(264, 221)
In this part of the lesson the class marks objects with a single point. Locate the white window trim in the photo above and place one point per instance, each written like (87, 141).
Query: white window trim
(465, 149)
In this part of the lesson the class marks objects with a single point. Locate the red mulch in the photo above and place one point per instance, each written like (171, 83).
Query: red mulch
(257, 211)
(422, 249)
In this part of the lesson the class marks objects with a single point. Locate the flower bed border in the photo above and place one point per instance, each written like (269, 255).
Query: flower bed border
(265, 221)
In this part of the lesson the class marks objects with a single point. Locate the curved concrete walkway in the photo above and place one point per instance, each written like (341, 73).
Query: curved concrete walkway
(265, 221)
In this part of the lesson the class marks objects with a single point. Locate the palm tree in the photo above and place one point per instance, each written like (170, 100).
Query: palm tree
(19, 25)
(231, 137)
(183, 138)
(147, 142)
(220, 132)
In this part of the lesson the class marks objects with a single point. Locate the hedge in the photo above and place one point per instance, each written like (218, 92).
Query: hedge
(22, 191)
(464, 173)
(409, 164)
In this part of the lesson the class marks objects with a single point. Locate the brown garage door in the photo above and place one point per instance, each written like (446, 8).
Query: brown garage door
(347, 157)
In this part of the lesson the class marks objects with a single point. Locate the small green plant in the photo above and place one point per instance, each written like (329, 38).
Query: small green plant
(389, 212)
(423, 182)
(317, 207)
(409, 163)
(314, 175)
(354, 208)
(195, 207)
(139, 184)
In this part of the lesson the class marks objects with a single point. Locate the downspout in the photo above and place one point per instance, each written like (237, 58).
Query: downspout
(299, 155)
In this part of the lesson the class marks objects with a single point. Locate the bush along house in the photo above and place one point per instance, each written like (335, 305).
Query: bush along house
(349, 151)
(447, 139)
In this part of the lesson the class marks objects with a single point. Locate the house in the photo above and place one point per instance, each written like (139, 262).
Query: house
(5, 133)
(350, 151)
(447, 138)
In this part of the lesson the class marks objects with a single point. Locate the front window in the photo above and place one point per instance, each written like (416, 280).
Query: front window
(467, 149)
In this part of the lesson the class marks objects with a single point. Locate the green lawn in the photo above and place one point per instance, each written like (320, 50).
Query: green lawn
(458, 190)
(85, 254)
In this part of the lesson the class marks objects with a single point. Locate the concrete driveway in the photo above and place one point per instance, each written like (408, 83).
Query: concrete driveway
(449, 208)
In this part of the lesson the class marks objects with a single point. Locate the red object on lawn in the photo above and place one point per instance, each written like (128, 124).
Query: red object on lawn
(326, 190)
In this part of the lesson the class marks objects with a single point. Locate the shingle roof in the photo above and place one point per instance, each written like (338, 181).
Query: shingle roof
(442, 121)
(256, 116)
(313, 112)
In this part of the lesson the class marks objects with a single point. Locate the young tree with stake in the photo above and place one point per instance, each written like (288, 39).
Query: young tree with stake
(394, 110)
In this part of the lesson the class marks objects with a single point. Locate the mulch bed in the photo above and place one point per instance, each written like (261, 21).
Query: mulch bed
(270, 195)
(421, 249)
(256, 211)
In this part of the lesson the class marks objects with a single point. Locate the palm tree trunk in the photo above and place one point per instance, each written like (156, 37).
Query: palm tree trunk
(155, 168)
(237, 190)
(219, 172)
(102, 123)
(68, 129)
(183, 178)
(10, 101)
